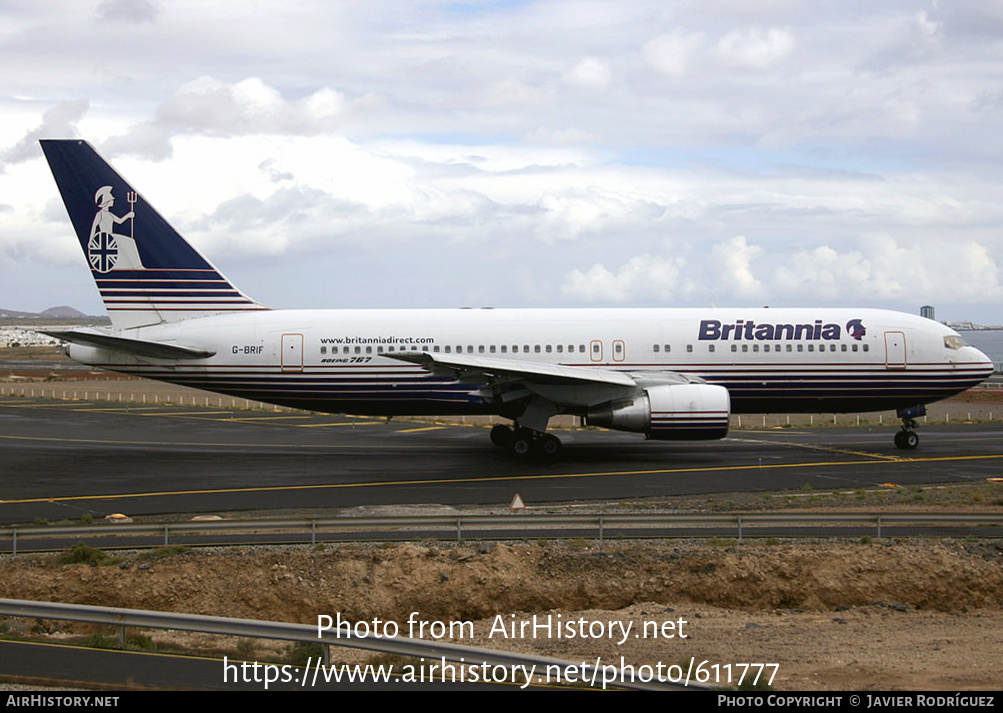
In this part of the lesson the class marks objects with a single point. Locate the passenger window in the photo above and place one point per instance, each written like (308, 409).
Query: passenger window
(689, 347)
(867, 347)
(560, 348)
(811, 347)
(323, 350)
(504, 349)
(654, 349)
(480, 349)
(369, 350)
(536, 348)
(745, 347)
(668, 348)
(549, 349)
(710, 347)
(734, 347)
(449, 349)
(492, 350)
(842, 347)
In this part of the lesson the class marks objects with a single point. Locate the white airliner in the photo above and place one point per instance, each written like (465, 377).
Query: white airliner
(671, 374)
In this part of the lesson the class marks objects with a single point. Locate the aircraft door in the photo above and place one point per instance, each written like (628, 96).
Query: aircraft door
(619, 350)
(292, 352)
(595, 350)
(895, 355)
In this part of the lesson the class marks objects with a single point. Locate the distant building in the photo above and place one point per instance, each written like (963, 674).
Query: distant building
(927, 311)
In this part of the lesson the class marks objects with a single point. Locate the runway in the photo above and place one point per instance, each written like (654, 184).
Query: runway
(62, 459)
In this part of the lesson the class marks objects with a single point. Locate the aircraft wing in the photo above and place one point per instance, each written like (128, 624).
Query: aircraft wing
(139, 347)
(509, 380)
(477, 368)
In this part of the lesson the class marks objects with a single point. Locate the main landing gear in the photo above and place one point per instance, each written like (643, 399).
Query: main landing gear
(907, 438)
(525, 442)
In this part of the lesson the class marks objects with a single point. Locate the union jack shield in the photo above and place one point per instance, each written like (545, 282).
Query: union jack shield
(102, 250)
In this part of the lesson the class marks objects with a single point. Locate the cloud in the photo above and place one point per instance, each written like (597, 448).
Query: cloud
(589, 73)
(670, 54)
(755, 48)
(134, 11)
(642, 277)
(733, 259)
(59, 122)
(210, 107)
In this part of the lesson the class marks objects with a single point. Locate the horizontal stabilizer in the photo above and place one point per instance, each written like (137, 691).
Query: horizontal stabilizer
(139, 347)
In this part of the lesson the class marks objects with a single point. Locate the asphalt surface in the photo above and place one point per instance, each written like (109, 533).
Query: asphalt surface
(62, 459)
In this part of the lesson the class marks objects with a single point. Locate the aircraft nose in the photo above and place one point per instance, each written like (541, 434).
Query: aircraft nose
(979, 357)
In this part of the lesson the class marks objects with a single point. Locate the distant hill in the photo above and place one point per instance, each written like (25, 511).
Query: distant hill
(11, 314)
(61, 312)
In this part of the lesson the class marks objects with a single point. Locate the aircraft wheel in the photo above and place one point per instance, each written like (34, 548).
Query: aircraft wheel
(501, 435)
(906, 440)
(550, 446)
(522, 443)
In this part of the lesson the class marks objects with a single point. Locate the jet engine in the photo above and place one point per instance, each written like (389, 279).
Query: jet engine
(670, 412)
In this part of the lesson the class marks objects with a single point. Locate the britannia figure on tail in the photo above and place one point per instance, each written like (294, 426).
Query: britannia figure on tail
(106, 249)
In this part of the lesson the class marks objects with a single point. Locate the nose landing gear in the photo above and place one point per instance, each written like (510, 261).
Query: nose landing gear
(907, 439)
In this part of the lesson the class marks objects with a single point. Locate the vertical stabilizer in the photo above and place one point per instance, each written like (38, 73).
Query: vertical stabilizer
(145, 271)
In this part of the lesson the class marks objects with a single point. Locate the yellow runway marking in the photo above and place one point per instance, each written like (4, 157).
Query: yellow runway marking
(339, 423)
(826, 449)
(498, 478)
(61, 404)
(188, 413)
(423, 428)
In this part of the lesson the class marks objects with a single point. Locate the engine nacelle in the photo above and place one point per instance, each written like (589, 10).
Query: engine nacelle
(672, 412)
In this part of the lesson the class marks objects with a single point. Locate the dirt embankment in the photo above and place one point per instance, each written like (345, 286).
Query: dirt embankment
(834, 616)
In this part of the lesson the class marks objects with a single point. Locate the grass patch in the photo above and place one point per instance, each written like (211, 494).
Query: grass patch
(163, 552)
(302, 653)
(84, 554)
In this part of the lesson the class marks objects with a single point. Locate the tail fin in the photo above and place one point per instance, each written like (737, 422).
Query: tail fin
(146, 272)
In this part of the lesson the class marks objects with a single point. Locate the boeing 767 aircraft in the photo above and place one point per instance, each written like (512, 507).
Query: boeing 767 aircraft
(671, 374)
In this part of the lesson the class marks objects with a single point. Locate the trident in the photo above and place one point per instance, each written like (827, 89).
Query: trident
(131, 197)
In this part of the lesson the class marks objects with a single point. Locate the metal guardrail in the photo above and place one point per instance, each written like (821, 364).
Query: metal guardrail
(403, 646)
(500, 525)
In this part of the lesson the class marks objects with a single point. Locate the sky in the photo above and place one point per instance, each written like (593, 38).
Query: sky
(521, 153)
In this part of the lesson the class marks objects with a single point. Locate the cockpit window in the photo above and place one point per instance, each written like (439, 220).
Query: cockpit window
(953, 341)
